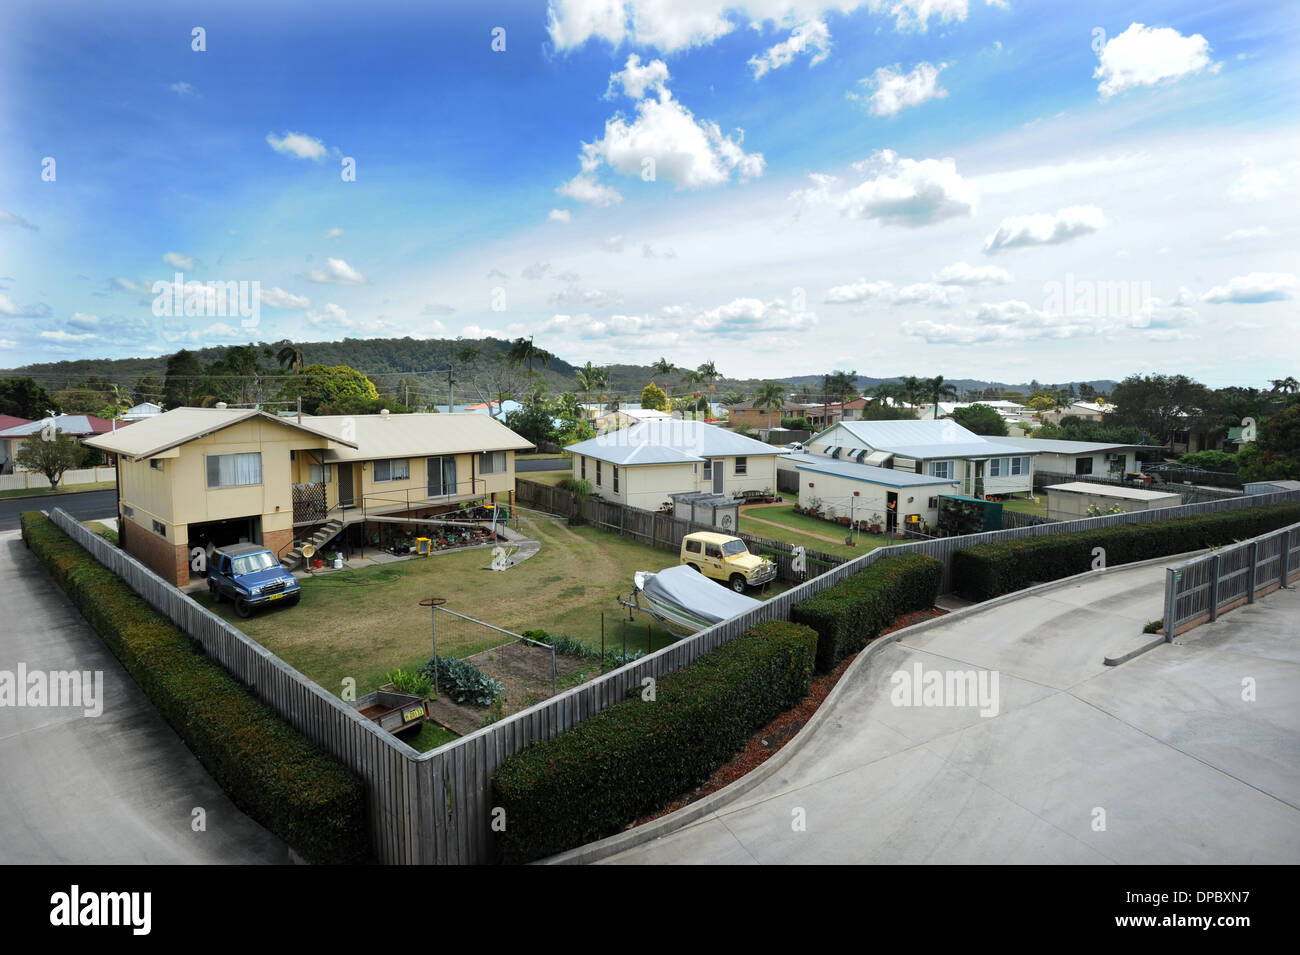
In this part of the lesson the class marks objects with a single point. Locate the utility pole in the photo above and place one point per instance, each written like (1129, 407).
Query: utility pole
(451, 398)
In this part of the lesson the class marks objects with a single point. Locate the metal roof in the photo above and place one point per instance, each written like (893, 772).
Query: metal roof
(376, 437)
(1058, 446)
(77, 424)
(887, 477)
(926, 440)
(670, 442)
(158, 433)
(1109, 490)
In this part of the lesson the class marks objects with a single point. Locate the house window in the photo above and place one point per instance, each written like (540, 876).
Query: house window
(742, 465)
(708, 470)
(597, 473)
(941, 469)
(934, 502)
(492, 462)
(395, 469)
(1019, 466)
(234, 470)
(156, 464)
(584, 467)
(1083, 465)
(160, 528)
(615, 467)
(320, 473)
(996, 466)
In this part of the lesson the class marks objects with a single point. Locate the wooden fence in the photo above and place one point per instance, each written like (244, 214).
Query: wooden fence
(1198, 590)
(665, 531)
(1019, 519)
(436, 807)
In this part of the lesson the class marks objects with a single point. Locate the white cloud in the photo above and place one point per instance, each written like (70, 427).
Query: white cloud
(612, 244)
(1146, 56)
(333, 233)
(1254, 184)
(83, 320)
(536, 271)
(38, 310)
(1254, 288)
(124, 285)
(574, 297)
(665, 141)
(299, 145)
(1013, 321)
(62, 336)
(181, 88)
(648, 252)
(328, 315)
(177, 260)
(1045, 228)
(886, 293)
(636, 79)
(960, 273)
(811, 37)
(559, 215)
(747, 316)
(1257, 232)
(277, 297)
(336, 272)
(583, 188)
(219, 330)
(15, 220)
(432, 308)
(894, 91)
(8, 343)
(477, 331)
(907, 192)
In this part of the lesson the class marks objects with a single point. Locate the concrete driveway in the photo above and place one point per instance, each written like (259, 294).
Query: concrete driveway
(1158, 760)
(117, 788)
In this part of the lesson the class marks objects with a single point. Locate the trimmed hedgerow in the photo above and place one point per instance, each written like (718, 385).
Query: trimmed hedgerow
(637, 756)
(269, 771)
(990, 570)
(850, 614)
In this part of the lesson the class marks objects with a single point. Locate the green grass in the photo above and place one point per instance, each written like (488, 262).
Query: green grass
(431, 736)
(103, 530)
(46, 492)
(797, 528)
(542, 456)
(545, 477)
(363, 623)
(1023, 505)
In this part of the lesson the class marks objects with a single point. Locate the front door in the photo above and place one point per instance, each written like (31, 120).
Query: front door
(718, 475)
(891, 512)
(345, 485)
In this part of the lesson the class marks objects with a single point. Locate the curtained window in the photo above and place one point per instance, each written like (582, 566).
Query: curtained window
(234, 470)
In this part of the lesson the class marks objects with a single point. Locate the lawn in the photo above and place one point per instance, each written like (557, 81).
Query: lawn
(552, 478)
(46, 492)
(798, 528)
(1023, 505)
(541, 456)
(363, 623)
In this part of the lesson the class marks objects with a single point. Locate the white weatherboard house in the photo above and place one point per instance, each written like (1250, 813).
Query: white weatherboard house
(863, 492)
(642, 465)
(1079, 457)
(968, 463)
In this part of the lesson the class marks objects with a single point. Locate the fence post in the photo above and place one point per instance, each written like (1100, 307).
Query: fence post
(1214, 587)
(1286, 556)
(1254, 555)
(1171, 603)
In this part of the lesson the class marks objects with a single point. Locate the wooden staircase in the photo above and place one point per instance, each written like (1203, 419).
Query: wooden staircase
(326, 533)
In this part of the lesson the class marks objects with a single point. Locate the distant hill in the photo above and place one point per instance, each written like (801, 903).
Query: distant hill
(425, 361)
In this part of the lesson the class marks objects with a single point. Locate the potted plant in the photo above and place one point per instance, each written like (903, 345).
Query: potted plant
(875, 523)
(814, 506)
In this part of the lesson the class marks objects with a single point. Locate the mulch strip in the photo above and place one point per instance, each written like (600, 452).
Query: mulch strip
(763, 744)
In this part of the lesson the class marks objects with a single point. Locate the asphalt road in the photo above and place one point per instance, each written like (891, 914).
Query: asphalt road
(1163, 759)
(84, 505)
(118, 787)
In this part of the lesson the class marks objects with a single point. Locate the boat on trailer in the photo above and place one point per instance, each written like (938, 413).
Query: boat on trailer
(684, 600)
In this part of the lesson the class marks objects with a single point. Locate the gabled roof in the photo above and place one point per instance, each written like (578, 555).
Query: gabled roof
(375, 437)
(1058, 446)
(8, 421)
(887, 477)
(921, 439)
(75, 424)
(158, 433)
(670, 442)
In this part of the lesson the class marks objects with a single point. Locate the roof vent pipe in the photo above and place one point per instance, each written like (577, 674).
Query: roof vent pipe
(222, 405)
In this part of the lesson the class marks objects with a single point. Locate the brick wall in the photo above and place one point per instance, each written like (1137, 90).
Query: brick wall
(278, 542)
(171, 562)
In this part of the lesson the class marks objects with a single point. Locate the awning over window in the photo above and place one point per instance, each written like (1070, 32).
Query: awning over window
(878, 458)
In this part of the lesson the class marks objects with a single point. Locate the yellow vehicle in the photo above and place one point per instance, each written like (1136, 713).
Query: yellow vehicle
(726, 559)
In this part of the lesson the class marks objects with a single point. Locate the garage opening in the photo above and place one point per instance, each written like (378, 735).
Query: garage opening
(236, 530)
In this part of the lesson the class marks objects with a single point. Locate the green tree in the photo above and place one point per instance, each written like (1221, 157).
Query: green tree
(24, 398)
(332, 390)
(936, 390)
(524, 352)
(49, 457)
(981, 419)
(771, 395)
(182, 379)
(1162, 404)
(531, 422)
(663, 367)
(1276, 453)
(654, 398)
(289, 356)
(149, 387)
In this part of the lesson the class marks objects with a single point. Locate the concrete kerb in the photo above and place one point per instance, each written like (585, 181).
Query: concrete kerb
(664, 825)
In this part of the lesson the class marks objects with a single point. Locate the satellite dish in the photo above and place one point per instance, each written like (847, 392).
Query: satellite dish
(308, 550)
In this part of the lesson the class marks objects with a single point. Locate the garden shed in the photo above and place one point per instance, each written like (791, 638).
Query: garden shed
(702, 507)
(1068, 502)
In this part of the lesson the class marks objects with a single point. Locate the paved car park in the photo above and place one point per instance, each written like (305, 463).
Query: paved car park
(1189, 753)
(120, 787)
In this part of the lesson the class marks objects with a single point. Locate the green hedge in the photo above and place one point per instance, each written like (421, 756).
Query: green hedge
(990, 570)
(636, 756)
(269, 771)
(852, 613)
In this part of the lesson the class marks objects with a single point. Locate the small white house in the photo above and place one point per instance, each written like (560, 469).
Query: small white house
(1080, 457)
(642, 465)
(863, 492)
(943, 449)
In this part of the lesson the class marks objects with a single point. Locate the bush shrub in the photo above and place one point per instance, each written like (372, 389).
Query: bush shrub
(850, 614)
(462, 681)
(569, 647)
(408, 681)
(636, 756)
(272, 773)
(990, 570)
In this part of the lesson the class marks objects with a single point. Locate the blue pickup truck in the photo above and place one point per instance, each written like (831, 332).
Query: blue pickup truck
(250, 576)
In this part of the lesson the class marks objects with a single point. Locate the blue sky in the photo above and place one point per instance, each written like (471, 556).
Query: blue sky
(901, 187)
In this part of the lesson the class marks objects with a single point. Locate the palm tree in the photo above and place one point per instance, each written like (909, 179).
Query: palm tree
(1285, 386)
(937, 389)
(524, 352)
(663, 367)
(770, 395)
(588, 377)
(290, 355)
(911, 389)
(709, 372)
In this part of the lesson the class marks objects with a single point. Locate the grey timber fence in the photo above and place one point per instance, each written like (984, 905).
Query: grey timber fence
(436, 807)
(1198, 590)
